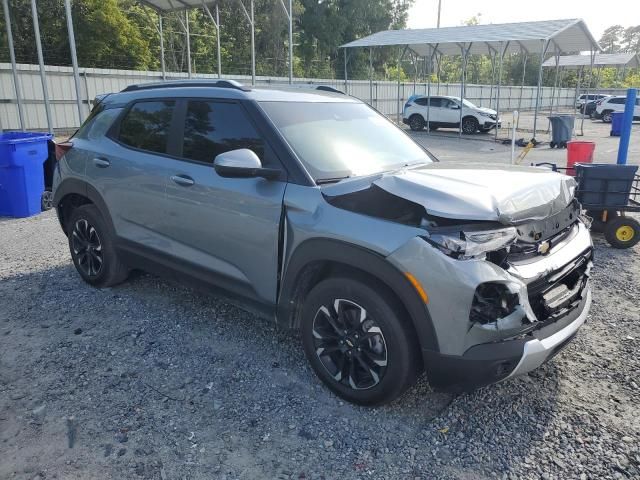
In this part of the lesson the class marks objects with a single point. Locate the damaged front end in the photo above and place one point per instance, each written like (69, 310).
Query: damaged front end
(509, 277)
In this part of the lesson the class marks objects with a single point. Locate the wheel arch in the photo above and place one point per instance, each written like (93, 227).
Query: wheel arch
(317, 259)
(72, 193)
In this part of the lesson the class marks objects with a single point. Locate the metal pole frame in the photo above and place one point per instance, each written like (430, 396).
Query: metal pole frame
(492, 56)
(524, 73)
(501, 53)
(159, 30)
(556, 54)
(252, 24)
(431, 57)
(43, 75)
(592, 55)
(14, 68)
(346, 60)
(163, 66)
(188, 38)
(400, 57)
(216, 24)
(543, 52)
(74, 58)
(289, 13)
(464, 52)
(370, 76)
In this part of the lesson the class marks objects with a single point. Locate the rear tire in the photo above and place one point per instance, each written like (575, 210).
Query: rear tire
(358, 342)
(622, 232)
(92, 248)
(470, 125)
(416, 122)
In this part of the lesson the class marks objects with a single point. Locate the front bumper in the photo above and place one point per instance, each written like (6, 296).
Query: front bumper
(471, 354)
(490, 363)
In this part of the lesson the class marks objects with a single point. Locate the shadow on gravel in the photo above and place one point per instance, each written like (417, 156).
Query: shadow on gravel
(152, 380)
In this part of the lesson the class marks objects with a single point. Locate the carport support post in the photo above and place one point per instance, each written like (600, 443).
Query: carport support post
(524, 72)
(555, 83)
(74, 58)
(464, 51)
(543, 52)
(503, 50)
(12, 56)
(161, 35)
(429, 90)
(43, 75)
(216, 24)
(346, 59)
(586, 98)
(400, 57)
(289, 14)
(188, 39)
(370, 77)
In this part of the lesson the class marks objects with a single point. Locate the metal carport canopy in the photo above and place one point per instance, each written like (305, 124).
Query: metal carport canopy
(629, 60)
(564, 35)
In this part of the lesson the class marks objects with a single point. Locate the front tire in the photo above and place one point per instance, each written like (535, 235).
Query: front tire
(606, 116)
(358, 341)
(469, 125)
(92, 248)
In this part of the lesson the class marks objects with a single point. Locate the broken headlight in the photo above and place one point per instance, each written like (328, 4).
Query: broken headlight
(493, 301)
(472, 244)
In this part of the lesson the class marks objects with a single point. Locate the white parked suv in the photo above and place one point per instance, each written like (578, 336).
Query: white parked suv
(607, 106)
(444, 111)
(591, 97)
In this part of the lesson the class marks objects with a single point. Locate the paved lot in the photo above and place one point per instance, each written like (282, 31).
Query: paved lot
(150, 380)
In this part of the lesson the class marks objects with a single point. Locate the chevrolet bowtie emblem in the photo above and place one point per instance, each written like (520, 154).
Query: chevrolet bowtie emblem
(543, 248)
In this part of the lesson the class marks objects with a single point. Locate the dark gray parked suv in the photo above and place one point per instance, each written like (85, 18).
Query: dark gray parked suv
(315, 211)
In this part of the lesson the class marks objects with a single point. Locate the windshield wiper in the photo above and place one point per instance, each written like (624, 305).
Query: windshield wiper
(324, 181)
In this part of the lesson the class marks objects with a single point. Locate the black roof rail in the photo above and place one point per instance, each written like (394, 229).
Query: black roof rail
(188, 83)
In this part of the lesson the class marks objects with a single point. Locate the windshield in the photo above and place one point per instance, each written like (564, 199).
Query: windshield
(337, 140)
(467, 103)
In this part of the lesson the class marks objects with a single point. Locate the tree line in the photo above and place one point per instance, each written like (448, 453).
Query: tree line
(123, 34)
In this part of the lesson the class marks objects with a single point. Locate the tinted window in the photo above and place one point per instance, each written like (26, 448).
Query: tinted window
(146, 125)
(421, 101)
(618, 100)
(212, 128)
(437, 102)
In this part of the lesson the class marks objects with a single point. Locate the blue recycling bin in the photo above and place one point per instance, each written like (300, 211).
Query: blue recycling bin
(22, 155)
(616, 123)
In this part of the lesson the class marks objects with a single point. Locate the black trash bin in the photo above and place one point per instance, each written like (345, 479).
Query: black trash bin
(603, 186)
(561, 130)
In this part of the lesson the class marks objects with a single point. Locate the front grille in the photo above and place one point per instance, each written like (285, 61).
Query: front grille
(556, 294)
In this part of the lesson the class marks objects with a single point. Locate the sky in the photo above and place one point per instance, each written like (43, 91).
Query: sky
(598, 17)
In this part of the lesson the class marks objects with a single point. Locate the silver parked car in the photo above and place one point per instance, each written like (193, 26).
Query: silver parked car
(312, 209)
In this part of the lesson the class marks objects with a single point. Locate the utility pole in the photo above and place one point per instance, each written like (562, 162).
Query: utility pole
(439, 10)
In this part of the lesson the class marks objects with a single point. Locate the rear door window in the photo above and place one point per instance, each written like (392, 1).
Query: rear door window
(146, 125)
(421, 101)
(215, 127)
(618, 101)
(436, 102)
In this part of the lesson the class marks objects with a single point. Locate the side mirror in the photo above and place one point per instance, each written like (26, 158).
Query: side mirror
(455, 107)
(242, 163)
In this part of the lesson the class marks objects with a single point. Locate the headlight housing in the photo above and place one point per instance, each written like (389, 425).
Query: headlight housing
(472, 244)
(485, 114)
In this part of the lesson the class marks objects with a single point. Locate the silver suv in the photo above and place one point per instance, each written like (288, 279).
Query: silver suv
(312, 209)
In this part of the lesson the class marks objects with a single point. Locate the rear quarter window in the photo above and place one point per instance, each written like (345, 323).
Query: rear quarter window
(98, 124)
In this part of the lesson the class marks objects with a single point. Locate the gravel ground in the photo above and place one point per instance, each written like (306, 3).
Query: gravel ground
(150, 380)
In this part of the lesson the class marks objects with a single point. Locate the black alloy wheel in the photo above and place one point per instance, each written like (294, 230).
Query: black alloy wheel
(350, 344)
(87, 248)
(469, 125)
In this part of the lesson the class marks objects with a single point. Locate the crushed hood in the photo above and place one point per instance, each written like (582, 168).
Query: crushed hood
(505, 194)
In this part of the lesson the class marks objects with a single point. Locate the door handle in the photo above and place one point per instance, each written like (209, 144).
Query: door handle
(183, 180)
(101, 162)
